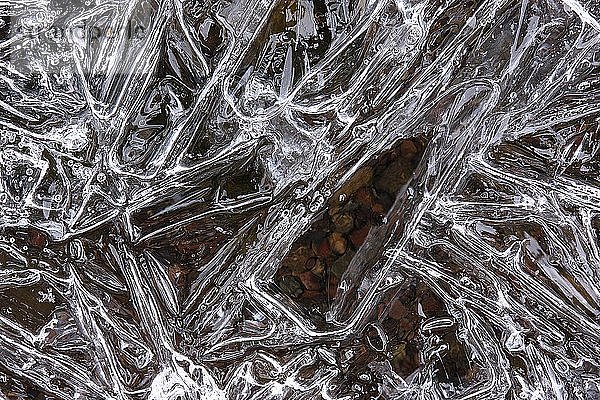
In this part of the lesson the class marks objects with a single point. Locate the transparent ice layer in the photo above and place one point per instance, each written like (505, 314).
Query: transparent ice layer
(300, 199)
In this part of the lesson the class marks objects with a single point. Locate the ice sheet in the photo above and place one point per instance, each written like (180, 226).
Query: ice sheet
(299, 199)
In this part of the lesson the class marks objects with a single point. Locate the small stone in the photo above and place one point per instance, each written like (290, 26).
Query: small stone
(361, 178)
(291, 286)
(398, 310)
(310, 263)
(378, 209)
(297, 260)
(343, 223)
(340, 265)
(364, 197)
(337, 243)
(310, 281)
(408, 149)
(358, 236)
(37, 239)
(432, 305)
(321, 248)
(393, 177)
(334, 208)
(318, 268)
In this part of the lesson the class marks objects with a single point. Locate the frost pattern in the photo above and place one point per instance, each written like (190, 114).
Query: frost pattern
(299, 199)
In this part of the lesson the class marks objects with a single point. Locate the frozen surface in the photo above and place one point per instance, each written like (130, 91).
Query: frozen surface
(300, 199)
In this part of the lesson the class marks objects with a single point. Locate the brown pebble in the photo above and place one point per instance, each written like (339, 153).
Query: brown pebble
(332, 286)
(432, 305)
(37, 239)
(398, 310)
(408, 149)
(283, 270)
(310, 263)
(378, 209)
(394, 175)
(361, 178)
(364, 197)
(343, 223)
(358, 236)
(297, 260)
(291, 286)
(337, 243)
(310, 281)
(318, 268)
(321, 248)
(334, 209)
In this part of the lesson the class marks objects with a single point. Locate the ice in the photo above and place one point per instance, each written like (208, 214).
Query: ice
(299, 199)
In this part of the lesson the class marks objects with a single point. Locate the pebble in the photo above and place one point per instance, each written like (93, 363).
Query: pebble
(37, 239)
(333, 210)
(343, 223)
(361, 178)
(358, 236)
(364, 197)
(298, 259)
(398, 310)
(408, 149)
(337, 243)
(318, 268)
(393, 176)
(340, 265)
(378, 209)
(321, 248)
(310, 281)
(291, 285)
